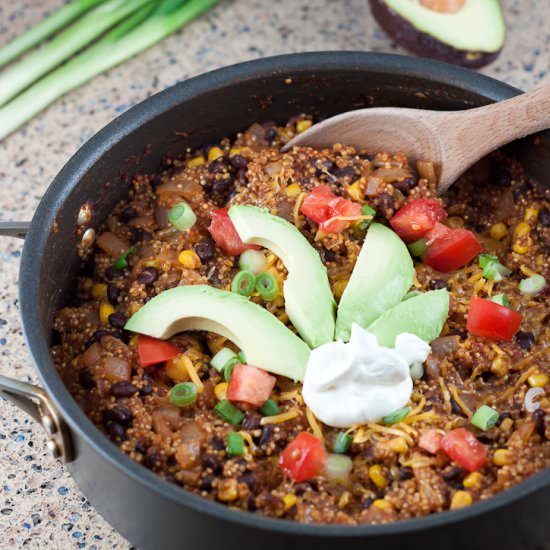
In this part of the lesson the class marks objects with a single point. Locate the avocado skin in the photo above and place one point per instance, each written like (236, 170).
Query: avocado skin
(421, 43)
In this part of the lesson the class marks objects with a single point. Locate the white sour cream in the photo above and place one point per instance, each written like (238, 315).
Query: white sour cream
(359, 382)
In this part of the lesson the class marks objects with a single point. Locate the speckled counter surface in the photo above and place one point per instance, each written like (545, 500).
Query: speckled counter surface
(40, 505)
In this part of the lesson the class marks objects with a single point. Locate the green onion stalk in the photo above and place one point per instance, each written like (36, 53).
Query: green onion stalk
(147, 25)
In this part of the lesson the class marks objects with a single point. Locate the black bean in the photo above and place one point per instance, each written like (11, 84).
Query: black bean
(525, 339)
(520, 192)
(119, 413)
(116, 430)
(205, 249)
(367, 501)
(219, 165)
(238, 161)
(501, 176)
(455, 408)
(241, 176)
(407, 184)
(463, 333)
(113, 293)
(206, 483)
(223, 185)
(128, 214)
(123, 389)
(97, 336)
(141, 447)
(329, 255)
(247, 478)
(138, 235)
(300, 488)
(540, 426)
(367, 156)
(385, 204)
(112, 273)
(211, 461)
(544, 216)
(146, 389)
(251, 503)
(148, 276)
(267, 435)
(217, 443)
(270, 135)
(405, 473)
(117, 319)
(85, 378)
(252, 421)
(436, 284)
(153, 457)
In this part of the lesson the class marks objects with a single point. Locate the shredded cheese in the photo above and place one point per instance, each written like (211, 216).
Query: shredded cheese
(192, 372)
(279, 418)
(446, 394)
(427, 416)
(297, 206)
(393, 431)
(460, 402)
(521, 380)
(294, 395)
(315, 427)
(419, 407)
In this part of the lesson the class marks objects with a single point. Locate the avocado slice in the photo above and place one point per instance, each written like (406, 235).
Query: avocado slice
(309, 302)
(382, 275)
(265, 341)
(423, 315)
(472, 36)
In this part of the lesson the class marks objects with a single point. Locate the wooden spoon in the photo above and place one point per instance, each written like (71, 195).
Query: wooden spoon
(453, 140)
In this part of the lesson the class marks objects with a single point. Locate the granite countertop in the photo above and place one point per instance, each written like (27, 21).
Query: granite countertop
(40, 505)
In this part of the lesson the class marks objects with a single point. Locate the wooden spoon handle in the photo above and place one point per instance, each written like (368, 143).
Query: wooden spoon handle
(467, 136)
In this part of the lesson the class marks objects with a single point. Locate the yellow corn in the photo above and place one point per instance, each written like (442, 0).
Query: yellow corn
(289, 500)
(520, 248)
(472, 481)
(235, 151)
(99, 290)
(228, 490)
(503, 457)
(303, 125)
(377, 476)
(220, 391)
(339, 287)
(498, 231)
(461, 499)
(189, 259)
(195, 161)
(176, 370)
(506, 425)
(382, 504)
(398, 445)
(522, 229)
(479, 285)
(134, 308)
(293, 190)
(214, 153)
(531, 215)
(354, 191)
(500, 366)
(538, 380)
(134, 340)
(344, 500)
(105, 310)
(151, 263)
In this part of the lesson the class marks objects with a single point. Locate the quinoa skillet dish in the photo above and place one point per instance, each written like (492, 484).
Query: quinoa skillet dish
(316, 335)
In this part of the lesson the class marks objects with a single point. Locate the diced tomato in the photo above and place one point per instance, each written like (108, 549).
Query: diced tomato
(452, 250)
(249, 386)
(322, 206)
(464, 448)
(430, 440)
(225, 235)
(491, 320)
(436, 232)
(304, 457)
(152, 351)
(415, 219)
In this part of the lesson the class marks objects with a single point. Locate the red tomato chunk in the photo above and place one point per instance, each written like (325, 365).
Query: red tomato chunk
(225, 235)
(452, 250)
(250, 386)
(415, 219)
(491, 320)
(463, 447)
(152, 351)
(430, 440)
(304, 457)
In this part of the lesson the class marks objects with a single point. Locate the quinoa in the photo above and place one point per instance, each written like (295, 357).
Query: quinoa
(99, 362)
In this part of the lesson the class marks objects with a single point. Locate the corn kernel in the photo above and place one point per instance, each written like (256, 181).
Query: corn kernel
(152, 263)
(500, 366)
(506, 425)
(134, 308)
(339, 287)
(228, 490)
(531, 214)
(235, 151)
(538, 380)
(105, 311)
(289, 500)
(461, 499)
(344, 500)
(176, 370)
(520, 248)
(134, 340)
(220, 391)
(382, 504)
(189, 259)
(498, 231)
(502, 457)
(398, 445)
(472, 481)
(354, 191)
(293, 190)
(99, 290)
(303, 125)
(377, 476)
(214, 153)
(522, 229)
(195, 161)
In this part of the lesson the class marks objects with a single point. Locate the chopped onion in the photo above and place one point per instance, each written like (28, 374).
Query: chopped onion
(532, 285)
(530, 404)
(338, 467)
(252, 260)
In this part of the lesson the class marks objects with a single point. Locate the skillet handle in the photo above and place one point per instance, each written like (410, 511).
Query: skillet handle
(33, 399)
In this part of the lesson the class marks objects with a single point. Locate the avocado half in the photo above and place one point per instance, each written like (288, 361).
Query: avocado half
(471, 37)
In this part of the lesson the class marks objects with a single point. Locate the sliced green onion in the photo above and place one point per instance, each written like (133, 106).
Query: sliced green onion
(484, 418)
(182, 216)
(252, 260)
(221, 358)
(122, 262)
(229, 412)
(419, 248)
(484, 259)
(267, 286)
(501, 299)
(411, 294)
(241, 357)
(532, 285)
(416, 371)
(184, 394)
(495, 271)
(243, 283)
(235, 444)
(228, 368)
(366, 210)
(396, 416)
(342, 443)
(270, 408)
(338, 467)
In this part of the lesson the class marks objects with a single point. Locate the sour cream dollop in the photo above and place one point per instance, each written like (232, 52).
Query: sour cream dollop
(360, 381)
